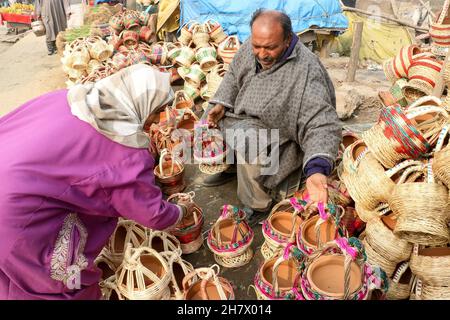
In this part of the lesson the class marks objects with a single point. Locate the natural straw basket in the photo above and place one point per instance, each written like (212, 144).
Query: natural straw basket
(321, 229)
(179, 268)
(189, 234)
(401, 284)
(404, 134)
(403, 60)
(205, 284)
(127, 231)
(422, 208)
(170, 173)
(432, 265)
(105, 264)
(440, 29)
(143, 275)
(109, 289)
(200, 36)
(382, 239)
(215, 31)
(441, 162)
(230, 238)
(365, 177)
(279, 278)
(206, 57)
(423, 75)
(228, 48)
(375, 259)
(214, 79)
(161, 241)
(366, 215)
(339, 271)
(424, 291)
(186, 32)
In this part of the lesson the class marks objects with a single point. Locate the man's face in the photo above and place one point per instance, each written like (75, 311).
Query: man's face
(268, 43)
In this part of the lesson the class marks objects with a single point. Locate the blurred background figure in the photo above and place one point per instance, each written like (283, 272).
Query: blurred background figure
(54, 14)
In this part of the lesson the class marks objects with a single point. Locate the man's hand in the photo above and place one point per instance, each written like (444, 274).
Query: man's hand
(317, 186)
(215, 114)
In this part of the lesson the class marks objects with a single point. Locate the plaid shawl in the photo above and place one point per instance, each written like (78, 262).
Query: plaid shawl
(119, 105)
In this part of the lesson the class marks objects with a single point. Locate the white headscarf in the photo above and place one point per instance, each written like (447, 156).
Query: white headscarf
(119, 105)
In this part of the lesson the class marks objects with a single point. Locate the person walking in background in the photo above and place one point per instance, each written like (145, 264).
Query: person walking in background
(54, 14)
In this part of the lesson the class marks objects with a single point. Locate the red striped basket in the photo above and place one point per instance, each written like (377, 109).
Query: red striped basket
(440, 31)
(422, 74)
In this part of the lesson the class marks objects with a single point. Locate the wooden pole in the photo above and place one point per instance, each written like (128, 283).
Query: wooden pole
(356, 45)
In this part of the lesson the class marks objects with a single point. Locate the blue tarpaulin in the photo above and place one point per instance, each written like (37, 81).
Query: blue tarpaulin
(235, 15)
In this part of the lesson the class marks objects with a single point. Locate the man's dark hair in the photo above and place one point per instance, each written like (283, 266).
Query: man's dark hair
(282, 18)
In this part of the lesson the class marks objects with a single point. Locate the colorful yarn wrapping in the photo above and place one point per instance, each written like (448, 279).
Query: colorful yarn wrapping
(239, 217)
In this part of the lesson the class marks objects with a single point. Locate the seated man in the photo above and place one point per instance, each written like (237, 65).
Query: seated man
(275, 82)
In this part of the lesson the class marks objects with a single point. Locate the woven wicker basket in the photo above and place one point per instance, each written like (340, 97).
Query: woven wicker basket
(382, 239)
(339, 271)
(200, 36)
(230, 238)
(105, 264)
(179, 268)
(321, 229)
(99, 49)
(423, 75)
(214, 79)
(186, 32)
(422, 209)
(280, 227)
(143, 275)
(440, 29)
(278, 278)
(424, 291)
(432, 265)
(441, 162)
(205, 284)
(170, 173)
(126, 232)
(404, 134)
(375, 259)
(189, 234)
(215, 31)
(109, 289)
(161, 241)
(207, 58)
(228, 48)
(365, 177)
(401, 284)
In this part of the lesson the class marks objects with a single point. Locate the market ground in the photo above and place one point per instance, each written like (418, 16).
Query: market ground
(27, 72)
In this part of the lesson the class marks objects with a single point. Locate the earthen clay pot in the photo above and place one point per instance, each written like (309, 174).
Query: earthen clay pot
(326, 276)
(287, 272)
(328, 232)
(281, 222)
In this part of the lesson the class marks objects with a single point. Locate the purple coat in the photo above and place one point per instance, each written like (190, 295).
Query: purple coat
(63, 187)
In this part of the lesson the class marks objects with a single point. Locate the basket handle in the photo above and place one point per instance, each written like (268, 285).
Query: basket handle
(410, 170)
(422, 110)
(400, 272)
(165, 152)
(350, 254)
(444, 133)
(285, 256)
(403, 165)
(216, 280)
(420, 101)
(443, 13)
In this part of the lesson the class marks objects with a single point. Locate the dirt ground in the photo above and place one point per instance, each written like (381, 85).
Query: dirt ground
(27, 72)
